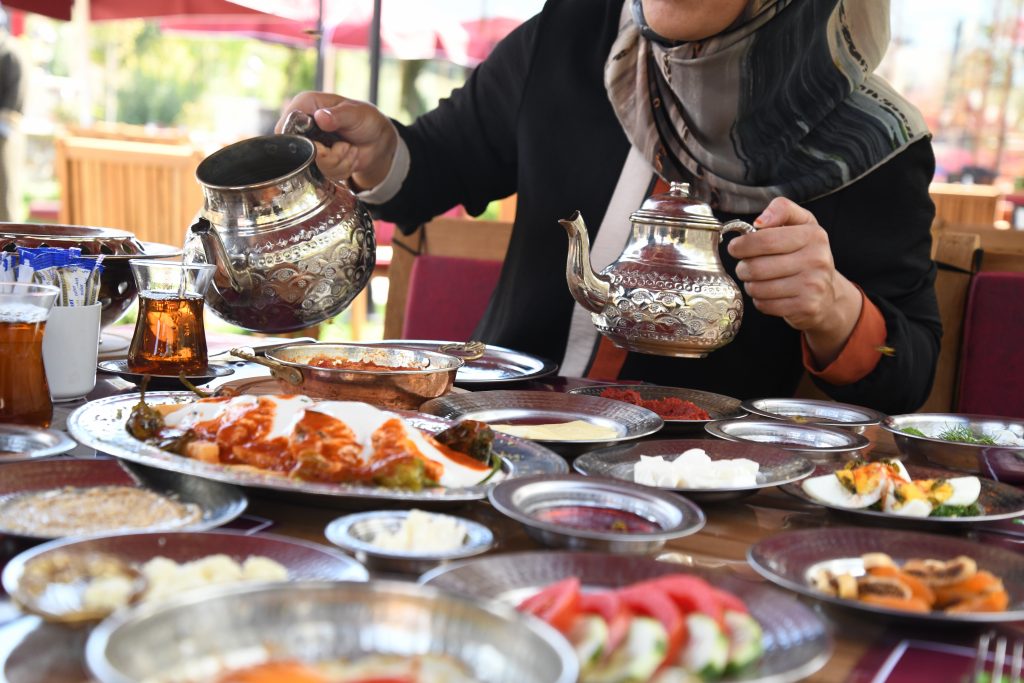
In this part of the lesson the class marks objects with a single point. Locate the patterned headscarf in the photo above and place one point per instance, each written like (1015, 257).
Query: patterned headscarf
(784, 102)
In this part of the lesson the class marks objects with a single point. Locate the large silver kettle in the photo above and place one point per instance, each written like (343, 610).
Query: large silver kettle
(291, 247)
(667, 293)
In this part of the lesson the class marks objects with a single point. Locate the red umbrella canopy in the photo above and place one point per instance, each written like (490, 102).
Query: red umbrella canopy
(133, 9)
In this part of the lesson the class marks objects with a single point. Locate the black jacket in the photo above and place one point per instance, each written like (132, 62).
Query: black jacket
(534, 119)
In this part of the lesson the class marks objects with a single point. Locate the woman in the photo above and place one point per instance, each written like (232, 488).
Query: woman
(770, 105)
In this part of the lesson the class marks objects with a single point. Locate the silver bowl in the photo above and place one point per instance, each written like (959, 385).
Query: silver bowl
(353, 533)
(1004, 463)
(818, 413)
(323, 621)
(27, 443)
(811, 441)
(523, 499)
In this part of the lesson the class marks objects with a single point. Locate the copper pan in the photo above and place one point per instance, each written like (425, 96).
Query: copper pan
(422, 375)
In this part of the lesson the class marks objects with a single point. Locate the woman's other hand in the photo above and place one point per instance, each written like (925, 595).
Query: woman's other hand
(787, 269)
(369, 137)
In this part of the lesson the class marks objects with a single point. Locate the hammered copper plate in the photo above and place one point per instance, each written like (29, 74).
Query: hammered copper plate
(718, 406)
(776, 466)
(789, 559)
(100, 425)
(796, 641)
(997, 501)
(219, 502)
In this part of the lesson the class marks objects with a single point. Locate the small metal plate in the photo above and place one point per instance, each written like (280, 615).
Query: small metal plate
(353, 533)
(718, 406)
(997, 501)
(219, 502)
(120, 368)
(810, 411)
(19, 443)
(796, 640)
(521, 500)
(548, 407)
(808, 440)
(788, 559)
(776, 466)
(498, 365)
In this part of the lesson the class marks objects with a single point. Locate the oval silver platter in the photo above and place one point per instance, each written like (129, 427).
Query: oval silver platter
(101, 425)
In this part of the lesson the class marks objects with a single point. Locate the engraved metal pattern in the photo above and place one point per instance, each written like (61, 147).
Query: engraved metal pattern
(701, 312)
(300, 271)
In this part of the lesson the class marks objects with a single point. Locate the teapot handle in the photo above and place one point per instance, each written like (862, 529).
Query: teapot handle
(736, 226)
(300, 123)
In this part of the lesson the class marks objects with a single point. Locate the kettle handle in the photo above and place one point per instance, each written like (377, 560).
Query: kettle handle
(300, 123)
(736, 226)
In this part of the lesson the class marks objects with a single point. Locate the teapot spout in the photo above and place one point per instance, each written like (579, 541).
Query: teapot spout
(587, 287)
(227, 276)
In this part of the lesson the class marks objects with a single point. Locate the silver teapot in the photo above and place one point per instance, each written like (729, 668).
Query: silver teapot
(291, 247)
(667, 293)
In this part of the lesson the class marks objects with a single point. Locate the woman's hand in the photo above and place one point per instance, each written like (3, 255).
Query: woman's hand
(787, 269)
(370, 139)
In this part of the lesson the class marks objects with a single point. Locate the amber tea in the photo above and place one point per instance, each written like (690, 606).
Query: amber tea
(169, 338)
(24, 392)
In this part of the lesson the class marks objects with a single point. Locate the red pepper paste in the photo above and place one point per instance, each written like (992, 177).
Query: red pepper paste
(670, 408)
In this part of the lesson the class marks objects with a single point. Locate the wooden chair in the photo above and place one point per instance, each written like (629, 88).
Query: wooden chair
(454, 237)
(957, 256)
(147, 188)
(965, 204)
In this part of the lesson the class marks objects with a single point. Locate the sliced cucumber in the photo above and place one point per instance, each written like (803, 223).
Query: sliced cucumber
(639, 656)
(707, 648)
(676, 674)
(588, 636)
(745, 636)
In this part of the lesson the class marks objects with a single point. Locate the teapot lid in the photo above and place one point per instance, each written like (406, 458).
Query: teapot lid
(676, 207)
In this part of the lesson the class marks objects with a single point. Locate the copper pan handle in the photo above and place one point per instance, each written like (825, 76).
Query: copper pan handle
(282, 372)
(467, 351)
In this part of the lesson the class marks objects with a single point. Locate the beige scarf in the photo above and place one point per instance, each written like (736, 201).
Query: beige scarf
(784, 103)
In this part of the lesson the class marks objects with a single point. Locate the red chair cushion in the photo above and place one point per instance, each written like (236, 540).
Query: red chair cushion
(447, 296)
(992, 355)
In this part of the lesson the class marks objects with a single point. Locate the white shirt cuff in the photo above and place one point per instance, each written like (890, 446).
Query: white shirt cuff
(392, 183)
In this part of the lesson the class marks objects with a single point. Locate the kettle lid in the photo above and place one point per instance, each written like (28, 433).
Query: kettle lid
(677, 207)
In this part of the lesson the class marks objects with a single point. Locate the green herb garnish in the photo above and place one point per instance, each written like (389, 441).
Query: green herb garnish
(913, 431)
(963, 434)
(971, 510)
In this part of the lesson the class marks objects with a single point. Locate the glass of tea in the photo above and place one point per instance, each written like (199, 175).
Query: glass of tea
(24, 393)
(169, 337)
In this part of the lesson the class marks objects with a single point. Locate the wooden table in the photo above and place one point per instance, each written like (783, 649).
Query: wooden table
(731, 529)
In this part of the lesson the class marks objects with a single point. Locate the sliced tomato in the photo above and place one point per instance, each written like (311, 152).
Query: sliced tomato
(690, 594)
(651, 601)
(558, 604)
(609, 606)
(728, 601)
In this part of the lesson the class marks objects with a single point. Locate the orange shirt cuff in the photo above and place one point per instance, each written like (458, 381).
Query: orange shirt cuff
(861, 353)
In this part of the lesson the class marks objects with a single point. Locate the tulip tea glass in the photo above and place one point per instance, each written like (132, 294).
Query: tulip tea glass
(24, 392)
(169, 337)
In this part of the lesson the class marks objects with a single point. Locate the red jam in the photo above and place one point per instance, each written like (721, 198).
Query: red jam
(597, 519)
